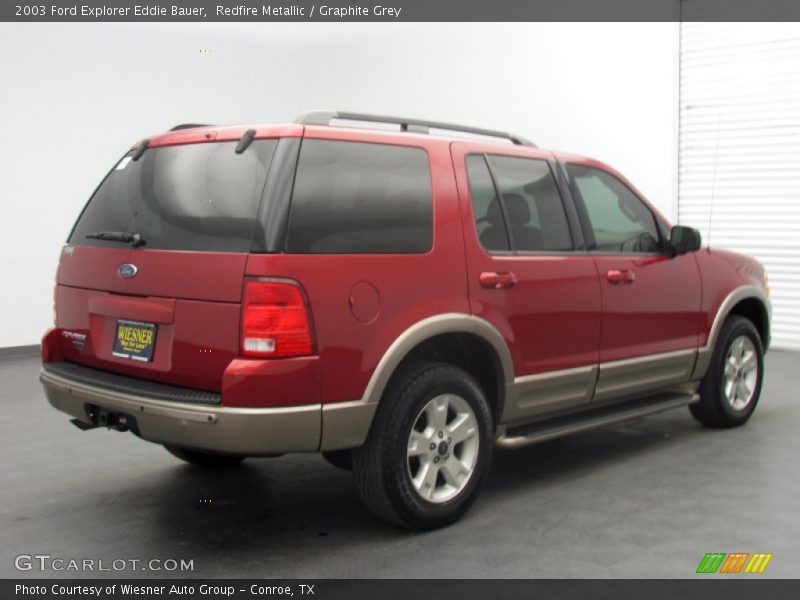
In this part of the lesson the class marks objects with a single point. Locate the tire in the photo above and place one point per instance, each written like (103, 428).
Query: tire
(730, 390)
(205, 459)
(406, 472)
(342, 459)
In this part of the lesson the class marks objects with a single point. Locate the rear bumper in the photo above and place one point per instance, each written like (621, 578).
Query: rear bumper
(250, 431)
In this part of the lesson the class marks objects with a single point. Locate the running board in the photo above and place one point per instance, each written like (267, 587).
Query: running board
(525, 435)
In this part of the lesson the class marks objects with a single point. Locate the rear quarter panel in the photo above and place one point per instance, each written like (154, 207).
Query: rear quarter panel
(410, 287)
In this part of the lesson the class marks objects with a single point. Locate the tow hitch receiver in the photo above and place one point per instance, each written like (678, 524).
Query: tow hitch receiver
(100, 417)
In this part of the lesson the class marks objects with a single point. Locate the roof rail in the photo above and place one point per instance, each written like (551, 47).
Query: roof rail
(324, 117)
(189, 126)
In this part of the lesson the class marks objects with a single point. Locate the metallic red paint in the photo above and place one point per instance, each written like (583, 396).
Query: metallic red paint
(550, 318)
(411, 287)
(722, 271)
(657, 312)
(281, 382)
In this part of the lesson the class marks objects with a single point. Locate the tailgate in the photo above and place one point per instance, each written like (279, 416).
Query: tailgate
(189, 301)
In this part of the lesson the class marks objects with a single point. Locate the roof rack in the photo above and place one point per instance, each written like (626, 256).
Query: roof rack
(324, 117)
(189, 126)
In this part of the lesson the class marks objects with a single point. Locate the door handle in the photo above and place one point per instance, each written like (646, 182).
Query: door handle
(497, 281)
(616, 276)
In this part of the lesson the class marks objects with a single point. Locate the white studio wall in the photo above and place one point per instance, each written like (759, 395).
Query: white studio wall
(740, 150)
(76, 96)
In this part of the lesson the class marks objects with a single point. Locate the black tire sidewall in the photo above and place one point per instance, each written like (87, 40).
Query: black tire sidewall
(735, 328)
(412, 508)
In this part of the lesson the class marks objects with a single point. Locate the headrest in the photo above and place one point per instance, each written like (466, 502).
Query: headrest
(493, 214)
(519, 213)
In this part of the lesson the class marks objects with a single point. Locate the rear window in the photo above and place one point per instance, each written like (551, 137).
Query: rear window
(358, 198)
(186, 197)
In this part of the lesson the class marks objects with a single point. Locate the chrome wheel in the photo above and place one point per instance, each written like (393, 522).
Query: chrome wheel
(443, 448)
(741, 373)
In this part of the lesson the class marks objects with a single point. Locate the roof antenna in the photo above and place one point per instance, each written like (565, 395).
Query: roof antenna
(713, 182)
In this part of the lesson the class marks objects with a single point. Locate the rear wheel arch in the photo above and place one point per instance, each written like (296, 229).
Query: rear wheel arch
(465, 341)
(457, 339)
(466, 351)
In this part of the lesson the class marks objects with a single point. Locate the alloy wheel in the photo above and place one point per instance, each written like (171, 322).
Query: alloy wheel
(443, 448)
(740, 373)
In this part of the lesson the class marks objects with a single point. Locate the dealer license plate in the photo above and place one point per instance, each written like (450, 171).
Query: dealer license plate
(135, 340)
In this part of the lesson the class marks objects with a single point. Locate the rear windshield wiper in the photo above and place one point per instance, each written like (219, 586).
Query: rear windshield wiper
(134, 239)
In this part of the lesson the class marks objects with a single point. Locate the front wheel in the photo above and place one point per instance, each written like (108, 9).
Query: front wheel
(204, 459)
(429, 448)
(731, 388)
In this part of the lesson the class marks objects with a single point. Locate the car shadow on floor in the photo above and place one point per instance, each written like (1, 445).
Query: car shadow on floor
(545, 464)
(265, 502)
(296, 513)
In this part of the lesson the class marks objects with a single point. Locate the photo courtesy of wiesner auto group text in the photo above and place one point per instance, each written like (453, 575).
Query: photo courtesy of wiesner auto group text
(360, 299)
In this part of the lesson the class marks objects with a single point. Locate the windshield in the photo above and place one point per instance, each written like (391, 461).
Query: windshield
(187, 197)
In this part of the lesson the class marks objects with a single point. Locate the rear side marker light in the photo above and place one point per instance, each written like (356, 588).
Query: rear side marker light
(275, 320)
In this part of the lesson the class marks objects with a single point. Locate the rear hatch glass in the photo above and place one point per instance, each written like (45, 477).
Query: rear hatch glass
(186, 197)
(172, 313)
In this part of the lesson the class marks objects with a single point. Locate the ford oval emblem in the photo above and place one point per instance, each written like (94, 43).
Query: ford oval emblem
(127, 271)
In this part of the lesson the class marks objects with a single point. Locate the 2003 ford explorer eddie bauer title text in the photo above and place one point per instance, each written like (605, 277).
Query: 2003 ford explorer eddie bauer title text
(396, 297)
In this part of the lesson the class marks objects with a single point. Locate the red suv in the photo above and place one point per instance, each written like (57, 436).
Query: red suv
(400, 295)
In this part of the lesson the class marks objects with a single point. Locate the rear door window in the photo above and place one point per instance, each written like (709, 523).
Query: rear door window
(528, 212)
(185, 197)
(489, 221)
(360, 198)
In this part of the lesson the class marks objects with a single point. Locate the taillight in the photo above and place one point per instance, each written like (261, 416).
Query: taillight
(275, 321)
(55, 296)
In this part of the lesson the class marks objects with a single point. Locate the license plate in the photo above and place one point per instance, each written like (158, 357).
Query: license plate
(135, 340)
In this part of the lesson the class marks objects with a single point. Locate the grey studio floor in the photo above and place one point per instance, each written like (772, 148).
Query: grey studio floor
(644, 499)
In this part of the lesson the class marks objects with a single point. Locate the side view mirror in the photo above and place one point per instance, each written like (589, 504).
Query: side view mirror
(684, 239)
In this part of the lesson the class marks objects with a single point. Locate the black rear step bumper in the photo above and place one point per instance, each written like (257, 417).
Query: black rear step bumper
(132, 385)
(157, 415)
